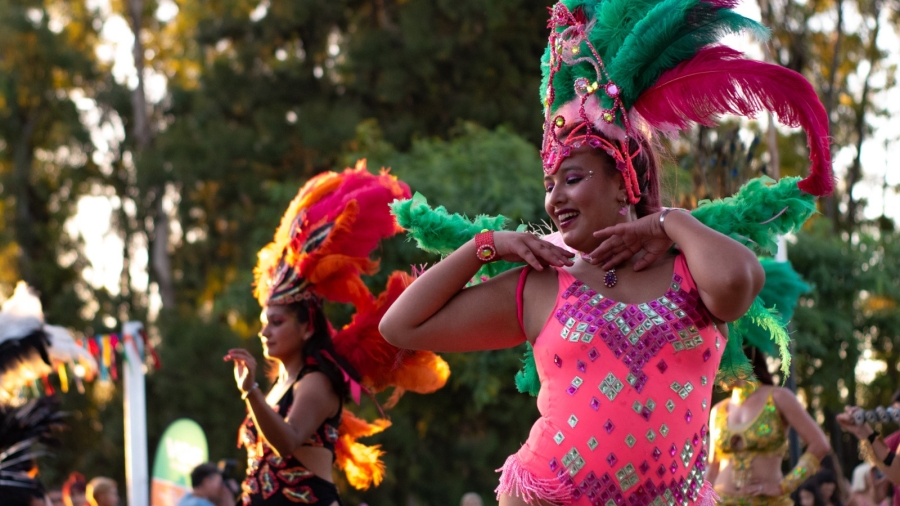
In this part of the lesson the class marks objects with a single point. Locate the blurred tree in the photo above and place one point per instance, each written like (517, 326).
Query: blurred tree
(45, 151)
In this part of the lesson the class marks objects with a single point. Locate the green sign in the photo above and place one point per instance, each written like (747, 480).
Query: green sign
(182, 448)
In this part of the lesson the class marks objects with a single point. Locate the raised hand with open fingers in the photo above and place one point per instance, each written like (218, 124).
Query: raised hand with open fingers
(524, 247)
(621, 242)
(244, 368)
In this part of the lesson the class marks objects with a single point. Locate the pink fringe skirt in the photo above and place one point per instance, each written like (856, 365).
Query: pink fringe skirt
(516, 480)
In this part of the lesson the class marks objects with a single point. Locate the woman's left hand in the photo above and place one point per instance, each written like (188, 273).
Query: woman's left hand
(621, 242)
(244, 368)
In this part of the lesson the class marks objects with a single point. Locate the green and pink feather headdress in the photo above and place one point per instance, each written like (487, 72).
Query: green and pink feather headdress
(618, 70)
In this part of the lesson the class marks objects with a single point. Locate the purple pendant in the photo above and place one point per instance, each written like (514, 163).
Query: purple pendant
(610, 279)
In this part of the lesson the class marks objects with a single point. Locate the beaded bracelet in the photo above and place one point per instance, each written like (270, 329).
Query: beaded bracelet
(249, 390)
(879, 414)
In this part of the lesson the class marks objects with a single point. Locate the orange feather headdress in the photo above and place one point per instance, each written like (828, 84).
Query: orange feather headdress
(321, 251)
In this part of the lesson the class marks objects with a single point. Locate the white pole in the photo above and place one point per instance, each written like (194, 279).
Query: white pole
(781, 254)
(137, 476)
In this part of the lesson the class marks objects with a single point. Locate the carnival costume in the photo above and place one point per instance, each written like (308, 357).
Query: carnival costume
(766, 434)
(320, 252)
(624, 389)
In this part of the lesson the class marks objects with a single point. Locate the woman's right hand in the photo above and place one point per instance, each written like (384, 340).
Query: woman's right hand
(848, 423)
(244, 368)
(525, 247)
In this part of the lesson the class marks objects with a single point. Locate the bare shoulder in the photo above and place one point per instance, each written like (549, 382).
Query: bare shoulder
(314, 384)
(782, 396)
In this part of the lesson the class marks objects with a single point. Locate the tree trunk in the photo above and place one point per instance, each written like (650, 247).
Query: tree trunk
(160, 263)
(24, 230)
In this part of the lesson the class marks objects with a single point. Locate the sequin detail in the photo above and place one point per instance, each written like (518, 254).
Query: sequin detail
(653, 364)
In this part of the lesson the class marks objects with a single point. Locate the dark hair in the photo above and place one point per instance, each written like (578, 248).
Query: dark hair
(895, 397)
(812, 487)
(202, 472)
(760, 367)
(828, 476)
(311, 312)
(646, 167)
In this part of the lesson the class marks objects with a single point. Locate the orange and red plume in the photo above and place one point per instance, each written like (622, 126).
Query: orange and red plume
(323, 244)
(381, 364)
(361, 463)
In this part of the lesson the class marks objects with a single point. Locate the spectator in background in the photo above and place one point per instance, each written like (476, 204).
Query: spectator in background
(869, 487)
(208, 488)
(471, 499)
(880, 452)
(102, 491)
(828, 488)
(73, 490)
(808, 494)
(56, 496)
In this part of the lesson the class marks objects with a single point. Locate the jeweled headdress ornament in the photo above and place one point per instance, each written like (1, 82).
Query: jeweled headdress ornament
(617, 70)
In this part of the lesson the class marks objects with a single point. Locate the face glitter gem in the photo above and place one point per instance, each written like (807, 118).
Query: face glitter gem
(554, 464)
(670, 405)
(608, 426)
(595, 403)
(571, 390)
(577, 381)
(593, 354)
(581, 367)
(559, 122)
(592, 443)
(630, 440)
(645, 466)
(696, 440)
(688, 416)
(557, 360)
(656, 453)
(664, 430)
(651, 435)
(573, 421)
(707, 354)
(611, 459)
(703, 380)
(674, 467)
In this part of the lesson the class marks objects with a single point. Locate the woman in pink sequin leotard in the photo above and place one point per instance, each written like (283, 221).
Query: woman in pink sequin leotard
(626, 367)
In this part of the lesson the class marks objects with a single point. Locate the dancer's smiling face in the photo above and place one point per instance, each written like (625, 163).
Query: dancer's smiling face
(584, 196)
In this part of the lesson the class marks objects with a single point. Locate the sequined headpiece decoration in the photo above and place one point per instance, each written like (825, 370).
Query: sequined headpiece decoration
(616, 72)
(565, 48)
(322, 247)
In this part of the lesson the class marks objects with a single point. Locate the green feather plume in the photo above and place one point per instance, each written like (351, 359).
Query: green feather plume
(527, 380)
(782, 290)
(638, 40)
(435, 230)
(734, 365)
(759, 212)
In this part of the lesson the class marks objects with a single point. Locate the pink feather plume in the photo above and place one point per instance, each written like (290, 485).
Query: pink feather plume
(719, 80)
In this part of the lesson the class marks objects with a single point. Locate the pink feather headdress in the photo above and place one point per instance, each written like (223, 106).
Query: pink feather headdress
(616, 71)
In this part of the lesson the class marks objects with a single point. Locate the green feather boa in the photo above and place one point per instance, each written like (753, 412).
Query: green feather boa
(758, 213)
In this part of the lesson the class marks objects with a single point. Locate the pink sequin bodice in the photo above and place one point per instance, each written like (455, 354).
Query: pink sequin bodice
(625, 394)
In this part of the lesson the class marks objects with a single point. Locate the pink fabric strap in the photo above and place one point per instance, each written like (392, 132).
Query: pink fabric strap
(520, 291)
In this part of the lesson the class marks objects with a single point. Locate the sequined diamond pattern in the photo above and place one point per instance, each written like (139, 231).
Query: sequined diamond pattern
(624, 391)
